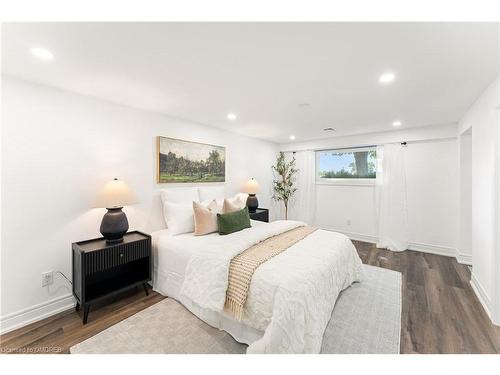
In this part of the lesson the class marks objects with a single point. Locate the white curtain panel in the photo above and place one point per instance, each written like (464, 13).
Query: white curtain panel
(391, 204)
(303, 204)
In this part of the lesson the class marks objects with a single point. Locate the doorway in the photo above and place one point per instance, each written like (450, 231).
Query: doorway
(465, 225)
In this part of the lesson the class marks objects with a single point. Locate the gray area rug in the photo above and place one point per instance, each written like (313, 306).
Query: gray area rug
(366, 319)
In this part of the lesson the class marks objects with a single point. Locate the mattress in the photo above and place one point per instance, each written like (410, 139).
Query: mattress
(170, 258)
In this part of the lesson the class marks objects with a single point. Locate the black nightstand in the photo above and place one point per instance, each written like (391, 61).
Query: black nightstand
(101, 270)
(261, 214)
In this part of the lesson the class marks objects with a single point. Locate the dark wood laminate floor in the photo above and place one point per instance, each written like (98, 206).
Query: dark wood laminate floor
(440, 314)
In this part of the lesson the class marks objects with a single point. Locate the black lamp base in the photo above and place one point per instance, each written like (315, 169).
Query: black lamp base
(114, 225)
(252, 203)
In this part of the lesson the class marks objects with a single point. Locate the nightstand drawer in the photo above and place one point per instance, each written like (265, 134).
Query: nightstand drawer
(104, 259)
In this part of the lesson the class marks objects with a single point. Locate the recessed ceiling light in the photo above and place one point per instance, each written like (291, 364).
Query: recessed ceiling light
(232, 116)
(42, 53)
(387, 77)
(292, 137)
(396, 123)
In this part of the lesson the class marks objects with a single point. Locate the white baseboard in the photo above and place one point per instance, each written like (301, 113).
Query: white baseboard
(481, 294)
(464, 258)
(433, 249)
(356, 236)
(416, 246)
(35, 313)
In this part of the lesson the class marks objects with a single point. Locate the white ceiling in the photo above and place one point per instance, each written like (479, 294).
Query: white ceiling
(263, 71)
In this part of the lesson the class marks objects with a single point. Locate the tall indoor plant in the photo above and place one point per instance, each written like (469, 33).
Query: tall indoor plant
(283, 183)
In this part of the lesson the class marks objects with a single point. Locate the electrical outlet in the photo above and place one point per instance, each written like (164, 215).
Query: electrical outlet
(47, 278)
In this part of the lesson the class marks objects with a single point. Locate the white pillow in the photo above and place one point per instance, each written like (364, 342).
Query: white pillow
(180, 195)
(239, 200)
(211, 192)
(179, 217)
(183, 195)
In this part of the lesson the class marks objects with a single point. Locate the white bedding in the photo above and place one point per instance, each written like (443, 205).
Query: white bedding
(291, 296)
(171, 255)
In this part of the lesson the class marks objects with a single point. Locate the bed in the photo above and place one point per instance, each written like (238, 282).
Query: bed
(291, 296)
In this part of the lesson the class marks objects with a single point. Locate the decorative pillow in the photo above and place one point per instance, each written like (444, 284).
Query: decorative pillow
(205, 218)
(242, 199)
(219, 202)
(229, 207)
(179, 217)
(233, 221)
(234, 204)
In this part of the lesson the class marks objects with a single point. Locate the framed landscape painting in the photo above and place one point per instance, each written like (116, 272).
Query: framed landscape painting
(183, 161)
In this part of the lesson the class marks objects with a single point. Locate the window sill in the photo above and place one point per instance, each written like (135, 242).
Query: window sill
(347, 182)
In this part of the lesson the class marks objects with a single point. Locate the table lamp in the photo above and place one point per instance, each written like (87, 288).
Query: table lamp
(113, 197)
(251, 188)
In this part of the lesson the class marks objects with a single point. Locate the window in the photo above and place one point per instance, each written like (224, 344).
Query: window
(348, 165)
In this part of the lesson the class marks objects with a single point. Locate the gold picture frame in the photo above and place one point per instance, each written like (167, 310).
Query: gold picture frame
(182, 161)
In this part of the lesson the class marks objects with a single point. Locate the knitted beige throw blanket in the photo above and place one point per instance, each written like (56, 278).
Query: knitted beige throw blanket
(243, 266)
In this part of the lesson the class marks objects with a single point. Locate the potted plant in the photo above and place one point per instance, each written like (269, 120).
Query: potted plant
(283, 183)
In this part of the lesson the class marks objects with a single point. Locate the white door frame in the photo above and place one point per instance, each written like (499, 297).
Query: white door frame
(495, 313)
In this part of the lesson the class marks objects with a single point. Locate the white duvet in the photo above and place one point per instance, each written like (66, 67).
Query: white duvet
(291, 296)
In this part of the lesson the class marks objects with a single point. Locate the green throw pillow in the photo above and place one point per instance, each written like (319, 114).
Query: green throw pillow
(233, 221)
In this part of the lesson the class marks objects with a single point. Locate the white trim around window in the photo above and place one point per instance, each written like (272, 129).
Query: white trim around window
(346, 181)
(343, 181)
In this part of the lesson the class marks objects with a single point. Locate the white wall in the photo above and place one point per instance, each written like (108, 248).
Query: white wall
(432, 179)
(432, 192)
(347, 209)
(483, 120)
(58, 150)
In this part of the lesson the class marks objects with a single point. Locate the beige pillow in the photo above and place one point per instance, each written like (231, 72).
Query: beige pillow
(205, 218)
(233, 205)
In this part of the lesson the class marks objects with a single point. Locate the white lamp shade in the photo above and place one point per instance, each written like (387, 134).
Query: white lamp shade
(116, 193)
(252, 186)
